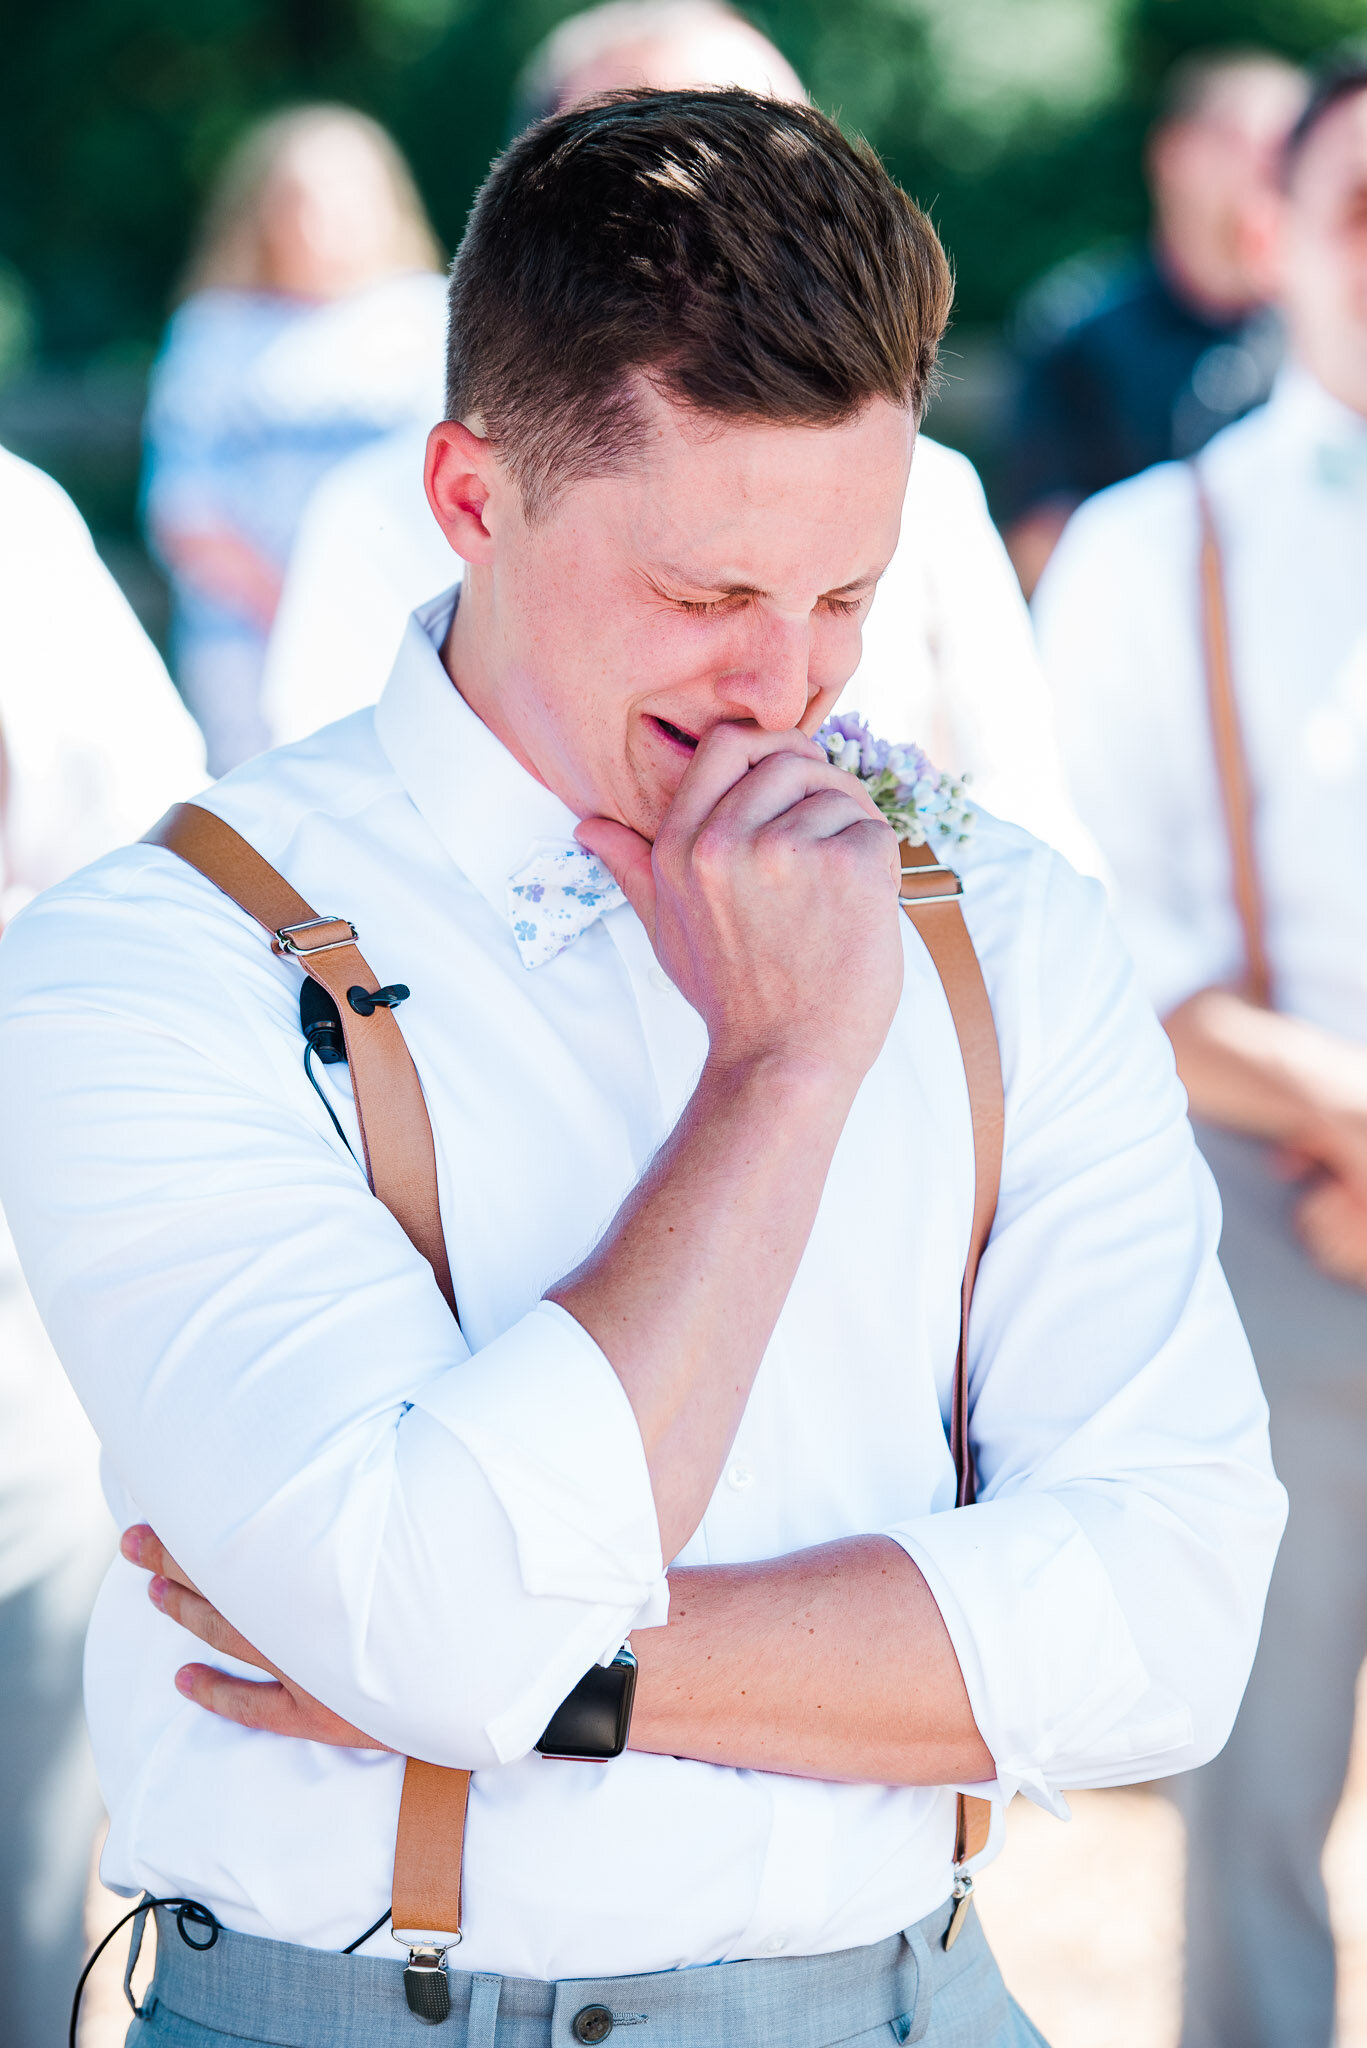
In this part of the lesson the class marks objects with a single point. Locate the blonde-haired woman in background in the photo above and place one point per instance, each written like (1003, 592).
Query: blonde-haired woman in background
(312, 320)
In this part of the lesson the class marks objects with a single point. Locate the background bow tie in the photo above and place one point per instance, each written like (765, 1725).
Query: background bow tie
(555, 896)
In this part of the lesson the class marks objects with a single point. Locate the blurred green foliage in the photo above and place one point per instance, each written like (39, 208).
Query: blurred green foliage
(1017, 121)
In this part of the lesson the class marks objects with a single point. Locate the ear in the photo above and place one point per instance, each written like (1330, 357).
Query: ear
(462, 473)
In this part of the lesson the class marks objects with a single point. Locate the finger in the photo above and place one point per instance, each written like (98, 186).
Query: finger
(142, 1546)
(264, 1704)
(725, 754)
(626, 856)
(269, 1707)
(772, 795)
(193, 1612)
(780, 783)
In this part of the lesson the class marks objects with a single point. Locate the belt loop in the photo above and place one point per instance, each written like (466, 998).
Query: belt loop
(134, 1951)
(919, 2016)
(483, 2015)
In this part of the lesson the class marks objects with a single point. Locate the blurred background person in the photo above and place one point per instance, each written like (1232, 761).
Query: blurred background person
(1176, 341)
(311, 322)
(94, 746)
(949, 659)
(1254, 949)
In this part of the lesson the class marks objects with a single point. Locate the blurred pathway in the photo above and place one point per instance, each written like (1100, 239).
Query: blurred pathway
(1086, 1918)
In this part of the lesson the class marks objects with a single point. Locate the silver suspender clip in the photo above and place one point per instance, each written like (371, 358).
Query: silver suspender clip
(962, 1896)
(425, 1985)
(287, 942)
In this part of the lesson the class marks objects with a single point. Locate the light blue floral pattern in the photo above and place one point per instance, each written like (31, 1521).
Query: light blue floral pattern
(554, 897)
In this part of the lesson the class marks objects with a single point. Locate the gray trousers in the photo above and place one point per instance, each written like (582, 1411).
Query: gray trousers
(49, 1804)
(904, 1989)
(1260, 1955)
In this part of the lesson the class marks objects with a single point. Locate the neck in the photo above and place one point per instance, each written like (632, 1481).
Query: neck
(1340, 372)
(476, 657)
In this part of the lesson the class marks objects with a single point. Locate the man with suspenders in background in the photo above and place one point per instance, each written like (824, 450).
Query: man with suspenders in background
(713, 1576)
(1205, 630)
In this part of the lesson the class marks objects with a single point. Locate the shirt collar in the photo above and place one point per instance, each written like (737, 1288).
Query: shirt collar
(486, 810)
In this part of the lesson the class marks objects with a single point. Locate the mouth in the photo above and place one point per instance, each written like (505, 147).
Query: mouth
(682, 742)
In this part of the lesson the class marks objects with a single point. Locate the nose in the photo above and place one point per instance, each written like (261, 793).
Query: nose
(773, 686)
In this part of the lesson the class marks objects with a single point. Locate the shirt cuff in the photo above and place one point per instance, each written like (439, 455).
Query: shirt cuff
(548, 1422)
(1052, 1670)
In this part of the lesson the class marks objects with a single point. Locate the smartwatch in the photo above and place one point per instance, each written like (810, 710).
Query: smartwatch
(593, 1722)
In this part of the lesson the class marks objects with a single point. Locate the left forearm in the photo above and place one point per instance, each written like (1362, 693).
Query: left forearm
(831, 1663)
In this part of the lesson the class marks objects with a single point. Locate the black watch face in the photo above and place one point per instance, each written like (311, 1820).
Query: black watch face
(592, 1725)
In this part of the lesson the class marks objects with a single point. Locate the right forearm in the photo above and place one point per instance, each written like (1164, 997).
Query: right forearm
(683, 1292)
(1253, 1070)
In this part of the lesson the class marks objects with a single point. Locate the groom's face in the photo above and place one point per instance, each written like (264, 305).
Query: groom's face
(725, 576)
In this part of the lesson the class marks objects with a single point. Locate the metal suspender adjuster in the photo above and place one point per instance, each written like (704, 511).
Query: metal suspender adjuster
(287, 942)
(929, 885)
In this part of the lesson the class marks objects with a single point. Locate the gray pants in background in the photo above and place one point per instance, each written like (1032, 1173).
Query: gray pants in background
(1260, 1955)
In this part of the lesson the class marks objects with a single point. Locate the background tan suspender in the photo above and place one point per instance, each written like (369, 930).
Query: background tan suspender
(1231, 760)
(401, 1166)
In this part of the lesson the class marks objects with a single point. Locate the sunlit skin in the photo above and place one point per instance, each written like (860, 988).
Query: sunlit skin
(1323, 257)
(736, 567)
(654, 645)
(1278, 1077)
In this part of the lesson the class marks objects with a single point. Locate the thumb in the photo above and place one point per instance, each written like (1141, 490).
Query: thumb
(626, 856)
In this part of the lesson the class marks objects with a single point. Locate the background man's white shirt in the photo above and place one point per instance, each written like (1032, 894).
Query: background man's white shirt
(949, 660)
(97, 744)
(438, 1544)
(1118, 617)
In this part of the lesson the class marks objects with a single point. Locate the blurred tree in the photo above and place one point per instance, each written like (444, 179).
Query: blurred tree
(1018, 121)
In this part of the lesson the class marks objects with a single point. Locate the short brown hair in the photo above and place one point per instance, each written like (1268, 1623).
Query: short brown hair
(739, 251)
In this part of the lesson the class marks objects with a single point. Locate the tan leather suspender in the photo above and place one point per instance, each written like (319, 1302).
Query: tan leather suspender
(401, 1166)
(1231, 760)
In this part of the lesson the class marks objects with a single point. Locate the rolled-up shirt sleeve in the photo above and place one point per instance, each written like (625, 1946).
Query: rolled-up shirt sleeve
(279, 1387)
(1105, 1593)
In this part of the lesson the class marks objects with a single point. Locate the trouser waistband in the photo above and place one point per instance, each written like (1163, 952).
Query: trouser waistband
(293, 1997)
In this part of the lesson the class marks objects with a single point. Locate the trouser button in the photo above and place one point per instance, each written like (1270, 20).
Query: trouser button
(593, 2023)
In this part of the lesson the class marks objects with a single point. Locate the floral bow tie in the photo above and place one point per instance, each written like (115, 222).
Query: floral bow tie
(554, 897)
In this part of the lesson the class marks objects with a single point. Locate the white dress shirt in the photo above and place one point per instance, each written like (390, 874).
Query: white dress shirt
(1119, 621)
(97, 744)
(949, 659)
(437, 1533)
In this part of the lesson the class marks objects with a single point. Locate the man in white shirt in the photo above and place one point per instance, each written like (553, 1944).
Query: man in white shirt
(93, 744)
(1120, 620)
(948, 654)
(705, 1157)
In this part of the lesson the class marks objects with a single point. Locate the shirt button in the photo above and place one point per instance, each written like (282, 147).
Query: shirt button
(660, 980)
(593, 2023)
(774, 1946)
(739, 1477)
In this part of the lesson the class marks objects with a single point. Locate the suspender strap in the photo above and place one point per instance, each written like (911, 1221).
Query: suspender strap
(930, 899)
(396, 1131)
(401, 1165)
(1231, 760)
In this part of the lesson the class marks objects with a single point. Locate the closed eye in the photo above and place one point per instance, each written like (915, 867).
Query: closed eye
(711, 608)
